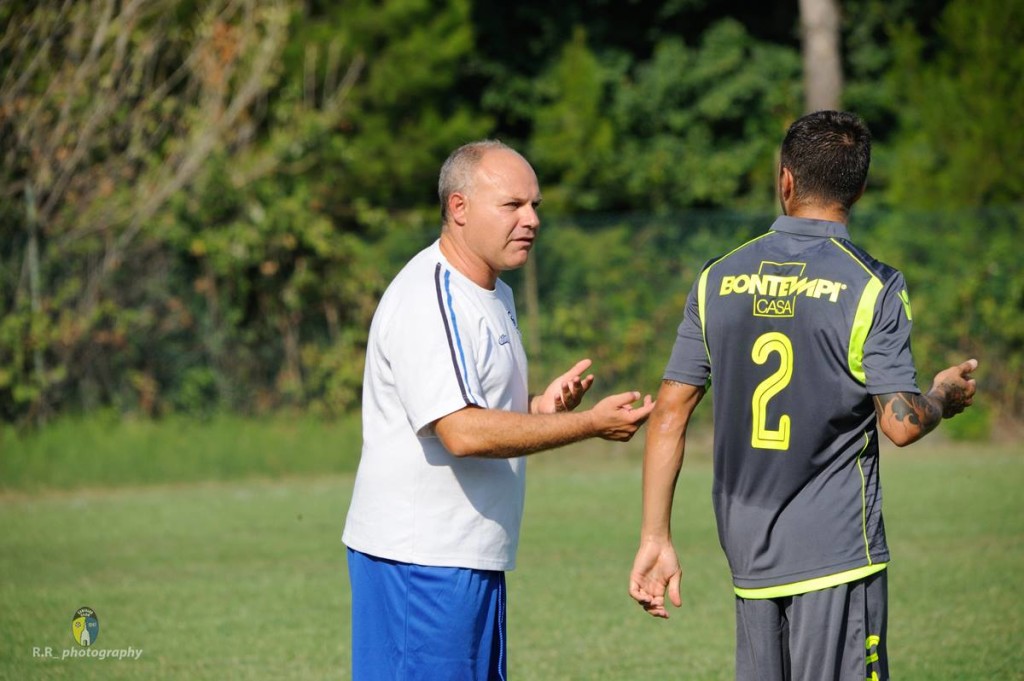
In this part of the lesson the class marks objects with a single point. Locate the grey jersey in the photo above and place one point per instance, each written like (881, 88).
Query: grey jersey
(796, 330)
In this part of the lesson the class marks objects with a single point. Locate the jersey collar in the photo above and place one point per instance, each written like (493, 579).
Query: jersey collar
(805, 227)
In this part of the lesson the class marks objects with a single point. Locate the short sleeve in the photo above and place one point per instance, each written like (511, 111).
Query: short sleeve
(888, 362)
(433, 355)
(689, 362)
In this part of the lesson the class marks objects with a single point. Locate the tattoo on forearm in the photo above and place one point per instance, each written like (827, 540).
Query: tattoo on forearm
(913, 409)
(954, 400)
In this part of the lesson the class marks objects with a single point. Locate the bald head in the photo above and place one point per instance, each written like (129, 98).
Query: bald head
(459, 169)
(489, 197)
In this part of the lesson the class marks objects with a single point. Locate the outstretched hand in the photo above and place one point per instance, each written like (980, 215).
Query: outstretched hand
(566, 392)
(615, 417)
(655, 569)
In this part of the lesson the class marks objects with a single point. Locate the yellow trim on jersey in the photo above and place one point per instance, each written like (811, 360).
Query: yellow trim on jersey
(702, 286)
(808, 585)
(861, 326)
(905, 299)
(863, 499)
(862, 318)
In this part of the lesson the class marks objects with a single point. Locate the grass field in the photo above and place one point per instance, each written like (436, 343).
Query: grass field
(105, 450)
(245, 578)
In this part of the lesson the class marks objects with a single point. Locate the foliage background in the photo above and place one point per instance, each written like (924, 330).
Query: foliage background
(203, 199)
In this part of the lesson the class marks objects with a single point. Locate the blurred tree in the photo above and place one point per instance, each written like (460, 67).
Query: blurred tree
(108, 110)
(359, 196)
(823, 70)
(518, 41)
(203, 199)
(955, 166)
(573, 138)
(690, 127)
(699, 126)
(214, 230)
(959, 102)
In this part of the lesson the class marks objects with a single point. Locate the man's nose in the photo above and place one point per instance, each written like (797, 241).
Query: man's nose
(529, 217)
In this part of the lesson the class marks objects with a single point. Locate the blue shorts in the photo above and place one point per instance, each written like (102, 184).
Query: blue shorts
(416, 622)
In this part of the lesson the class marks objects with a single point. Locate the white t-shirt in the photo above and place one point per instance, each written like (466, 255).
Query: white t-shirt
(438, 342)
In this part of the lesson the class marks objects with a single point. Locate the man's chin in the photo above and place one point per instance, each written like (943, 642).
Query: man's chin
(516, 260)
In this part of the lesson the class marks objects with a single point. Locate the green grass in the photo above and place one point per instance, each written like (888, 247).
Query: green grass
(212, 581)
(246, 579)
(104, 450)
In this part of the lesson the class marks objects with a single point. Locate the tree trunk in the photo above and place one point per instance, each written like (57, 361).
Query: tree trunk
(823, 71)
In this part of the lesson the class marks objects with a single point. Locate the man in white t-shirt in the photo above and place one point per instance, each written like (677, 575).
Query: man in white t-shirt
(447, 420)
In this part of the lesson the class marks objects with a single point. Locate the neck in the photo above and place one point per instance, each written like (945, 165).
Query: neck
(463, 260)
(810, 212)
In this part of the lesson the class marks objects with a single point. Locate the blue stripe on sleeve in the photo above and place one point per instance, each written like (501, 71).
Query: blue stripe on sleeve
(466, 395)
(458, 339)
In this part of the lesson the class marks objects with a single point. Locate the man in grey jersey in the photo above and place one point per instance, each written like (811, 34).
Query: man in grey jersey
(807, 340)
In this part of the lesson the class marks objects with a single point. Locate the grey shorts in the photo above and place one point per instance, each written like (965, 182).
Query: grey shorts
(835, 634)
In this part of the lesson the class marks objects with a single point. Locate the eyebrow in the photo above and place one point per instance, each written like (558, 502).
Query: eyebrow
(518, 199)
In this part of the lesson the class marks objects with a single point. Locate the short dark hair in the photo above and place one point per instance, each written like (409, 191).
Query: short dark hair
(457, 172)
(828, 153)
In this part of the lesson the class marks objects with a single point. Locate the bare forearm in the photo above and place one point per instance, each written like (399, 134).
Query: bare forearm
(664, 451)
(663, 459)
(907, 417)
(493, 433)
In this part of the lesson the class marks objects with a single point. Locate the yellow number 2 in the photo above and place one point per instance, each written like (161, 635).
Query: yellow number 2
(761, 436)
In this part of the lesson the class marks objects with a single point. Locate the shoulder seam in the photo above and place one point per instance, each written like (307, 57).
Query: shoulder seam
(853, 257)
(876, 269)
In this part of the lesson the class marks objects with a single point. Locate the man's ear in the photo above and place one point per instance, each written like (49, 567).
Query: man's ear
(457, 205)
(787, 191)
(787, 185)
